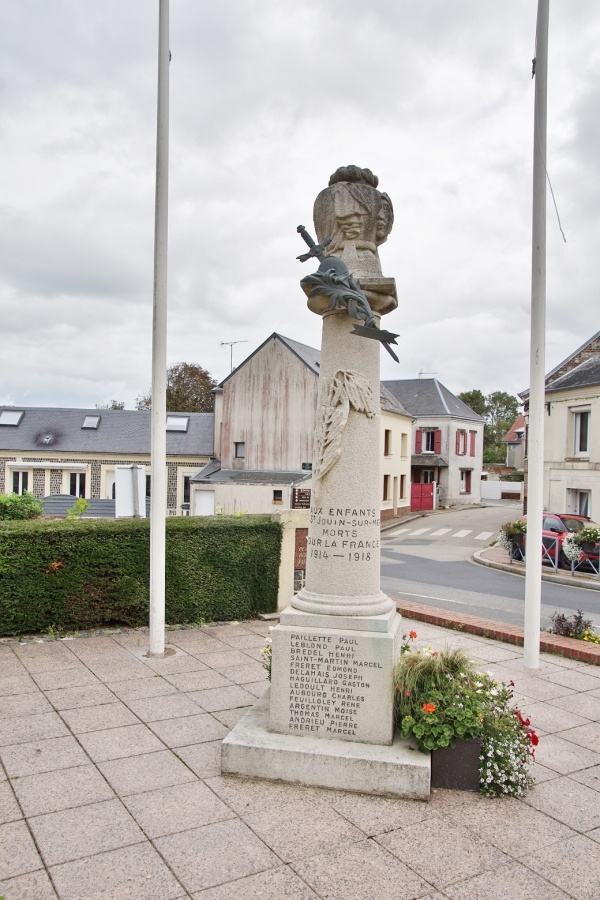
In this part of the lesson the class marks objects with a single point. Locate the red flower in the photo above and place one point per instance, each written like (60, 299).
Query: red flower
(534, 738)
(412, 634)
(429, 707)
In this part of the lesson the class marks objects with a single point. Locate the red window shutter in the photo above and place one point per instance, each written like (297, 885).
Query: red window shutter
(468, 482)
(418, 440)
(458, 443)
(437, 441)
(473, 436)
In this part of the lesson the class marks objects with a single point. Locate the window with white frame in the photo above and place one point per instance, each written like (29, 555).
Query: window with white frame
(429, 441)
(20, 481)
(581, 430)
(461, 442)
(77, 484)
(465, 481)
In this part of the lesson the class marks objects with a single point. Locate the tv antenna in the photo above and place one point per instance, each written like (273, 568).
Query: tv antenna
(230, 345)
(421, 373)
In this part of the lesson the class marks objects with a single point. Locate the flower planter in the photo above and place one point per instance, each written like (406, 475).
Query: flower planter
(517, 547)
(457, 768)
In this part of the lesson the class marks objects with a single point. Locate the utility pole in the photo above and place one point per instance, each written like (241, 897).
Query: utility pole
(158, 452)
(230, 345)
(535, 442)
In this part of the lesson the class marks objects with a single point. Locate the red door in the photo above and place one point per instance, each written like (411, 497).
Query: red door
(421, 496)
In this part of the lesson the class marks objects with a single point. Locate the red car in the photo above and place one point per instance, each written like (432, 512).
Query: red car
(558, 526)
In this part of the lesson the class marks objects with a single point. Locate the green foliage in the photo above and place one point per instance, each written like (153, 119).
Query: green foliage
(95, 572)
(78, 508)
(20, 506)
(575, 626)
(189, 389)
(112, 404)
(499, 410)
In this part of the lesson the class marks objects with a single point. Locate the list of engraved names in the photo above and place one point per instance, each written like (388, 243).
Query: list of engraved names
(330, 680)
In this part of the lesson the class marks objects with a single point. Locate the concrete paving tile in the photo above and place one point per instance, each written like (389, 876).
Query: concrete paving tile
(260, 627)
(35, 649)
(52, 791)
(78, 676)
(507, 883)
(575, 869)
(109, 671)
(17, 684)
(271, 885)
(42, 756)
(136, 872)
(442, 852)
(376, 815)
(551, 719)
(215, 854)
(253, 795)
(141, 688)
(301, 829)
(96, 646)
(195, 642)
(170, 810)
(168, 706)
(507, 823)
(136, 637)
(215, 699)
(257, 687)
(495, 651)
(589, 777)
(246, 674)
(24, 705)
(95, 718)
(224, 659)
(222, 630)
(198, 681)
(361, 871)
(37, 665)
(248, 640)
(18, 854)
(574, 804)
(564, 756)
(176, 665)
(84, 831)
(254, 653)
(541, 773)
(586, 705)
(189, 730)
(587, 736)
(115, 743)
(536, 689)
(74, 697)
(129, 776)
(203, 759)
(10, 810)
(32, 728)
(11, 665)
(575, 679)
(230, 717)
(35, 886)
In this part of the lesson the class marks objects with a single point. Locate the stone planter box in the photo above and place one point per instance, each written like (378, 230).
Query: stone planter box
(457, 768)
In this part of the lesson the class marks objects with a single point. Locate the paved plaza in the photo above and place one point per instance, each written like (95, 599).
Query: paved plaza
(110, 785)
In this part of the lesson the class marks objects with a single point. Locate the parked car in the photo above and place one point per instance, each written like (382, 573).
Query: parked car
(555, 528)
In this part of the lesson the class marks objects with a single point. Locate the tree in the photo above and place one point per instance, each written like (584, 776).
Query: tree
(189, 389)
(499, 410)
(112, 404)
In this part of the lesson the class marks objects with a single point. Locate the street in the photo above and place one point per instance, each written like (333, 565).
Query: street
(429, 560)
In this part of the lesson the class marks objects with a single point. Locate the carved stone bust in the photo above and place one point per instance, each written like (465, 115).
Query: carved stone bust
(356, 216)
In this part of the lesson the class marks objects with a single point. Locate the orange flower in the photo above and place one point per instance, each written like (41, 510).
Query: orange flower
(412, 634)
(429, 707)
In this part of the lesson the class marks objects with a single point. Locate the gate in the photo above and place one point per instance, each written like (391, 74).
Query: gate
(422, 496)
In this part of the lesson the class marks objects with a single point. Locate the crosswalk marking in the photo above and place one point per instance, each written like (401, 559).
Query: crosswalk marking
(463, 533)
(420, 531)
(484, 536)
(440, 532)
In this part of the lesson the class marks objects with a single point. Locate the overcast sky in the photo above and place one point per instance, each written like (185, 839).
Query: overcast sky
(267, 100)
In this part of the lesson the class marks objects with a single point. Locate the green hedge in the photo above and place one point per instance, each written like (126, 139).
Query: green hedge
(70, 575)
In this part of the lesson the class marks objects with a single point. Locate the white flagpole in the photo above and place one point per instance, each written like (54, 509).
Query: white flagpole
(535, 438)
(158, 504)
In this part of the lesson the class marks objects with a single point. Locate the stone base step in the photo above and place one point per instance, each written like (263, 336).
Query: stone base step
(250, 749)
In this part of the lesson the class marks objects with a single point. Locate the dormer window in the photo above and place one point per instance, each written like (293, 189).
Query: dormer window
(177, 423)
(91, 422)
(11, 416)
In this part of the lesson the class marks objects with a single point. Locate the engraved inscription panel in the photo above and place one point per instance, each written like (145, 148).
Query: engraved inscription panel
(348, 534)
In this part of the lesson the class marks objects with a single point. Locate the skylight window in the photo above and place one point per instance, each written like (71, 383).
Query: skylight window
(91, 422)
(177, 423)
(11, 416)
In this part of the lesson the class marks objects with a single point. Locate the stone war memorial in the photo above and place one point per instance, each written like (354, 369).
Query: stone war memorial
(327, 719)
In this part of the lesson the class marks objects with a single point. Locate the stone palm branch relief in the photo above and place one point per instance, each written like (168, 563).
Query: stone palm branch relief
(348, 390)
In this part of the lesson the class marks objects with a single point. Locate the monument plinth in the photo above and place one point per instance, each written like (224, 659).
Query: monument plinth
(336, 646)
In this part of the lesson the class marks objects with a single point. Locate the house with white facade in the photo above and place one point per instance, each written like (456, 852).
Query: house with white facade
(572, 433)
(447, 441)
(264, 426)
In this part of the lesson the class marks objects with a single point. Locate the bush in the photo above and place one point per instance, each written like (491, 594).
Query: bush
(574, 626)
(93, 572)
(20, 506)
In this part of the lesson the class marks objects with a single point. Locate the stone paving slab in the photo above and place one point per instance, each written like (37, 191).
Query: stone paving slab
(110, 786)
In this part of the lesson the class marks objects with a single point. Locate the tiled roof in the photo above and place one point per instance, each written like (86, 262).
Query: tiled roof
(389, 403)
(428, 397)
(586, 374)
(243, 476)
(428, 460)
(56, 429)
(512, 435)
